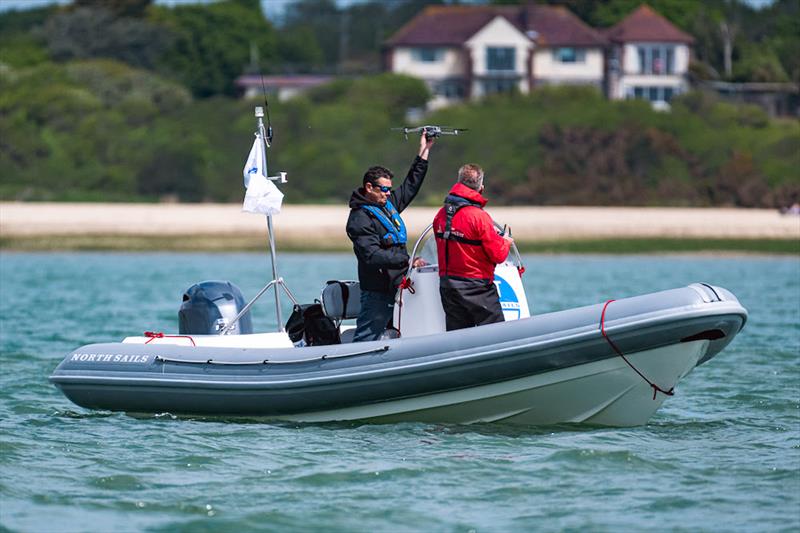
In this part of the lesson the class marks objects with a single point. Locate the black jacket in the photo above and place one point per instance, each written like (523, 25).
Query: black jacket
(381, 267)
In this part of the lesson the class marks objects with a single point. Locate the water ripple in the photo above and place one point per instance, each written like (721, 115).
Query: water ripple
(722, 455)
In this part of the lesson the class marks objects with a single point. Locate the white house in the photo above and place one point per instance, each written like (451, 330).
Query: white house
(467, 51)
(648, 58)
(471, 51)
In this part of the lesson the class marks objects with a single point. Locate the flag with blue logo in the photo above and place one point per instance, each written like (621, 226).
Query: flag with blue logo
(262, 195)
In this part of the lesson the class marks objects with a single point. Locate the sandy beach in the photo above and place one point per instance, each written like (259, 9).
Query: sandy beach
(324, 224)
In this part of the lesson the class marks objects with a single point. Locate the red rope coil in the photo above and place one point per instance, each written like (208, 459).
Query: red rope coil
(158, 335)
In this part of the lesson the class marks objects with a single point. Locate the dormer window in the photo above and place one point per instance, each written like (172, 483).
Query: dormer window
(427, 55)
(569, 55)
(500, 58)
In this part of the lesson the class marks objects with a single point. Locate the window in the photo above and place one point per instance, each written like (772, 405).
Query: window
(450, 89)
(670, 66)
(653, 94)
(500, 58)
(569, 55)
(655, 59)
(658, 60)
(499, 85)
(427, 55)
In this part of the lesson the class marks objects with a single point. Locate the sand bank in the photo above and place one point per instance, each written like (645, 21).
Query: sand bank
(327, 222)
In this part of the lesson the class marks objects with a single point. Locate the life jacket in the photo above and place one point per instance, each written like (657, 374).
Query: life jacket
(452, 205)
(391, 221)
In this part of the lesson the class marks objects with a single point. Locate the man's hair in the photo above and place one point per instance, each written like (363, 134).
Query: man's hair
(375, 173)
(471, 175)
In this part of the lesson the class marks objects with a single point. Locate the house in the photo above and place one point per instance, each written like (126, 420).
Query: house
(283, 87)
(468, 51)
(648, 58)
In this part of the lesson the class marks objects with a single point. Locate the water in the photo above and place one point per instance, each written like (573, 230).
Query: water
(722, 455)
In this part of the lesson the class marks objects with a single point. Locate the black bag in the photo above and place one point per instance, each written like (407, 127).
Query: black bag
(309, 323)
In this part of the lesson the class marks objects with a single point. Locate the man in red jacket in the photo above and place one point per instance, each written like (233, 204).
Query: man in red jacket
(469, 247)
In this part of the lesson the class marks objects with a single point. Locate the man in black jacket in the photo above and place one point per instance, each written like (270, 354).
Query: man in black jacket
(379, 240)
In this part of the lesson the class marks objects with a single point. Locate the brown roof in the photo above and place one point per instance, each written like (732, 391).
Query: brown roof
(557, 26)
(645, 24)
(454, 25)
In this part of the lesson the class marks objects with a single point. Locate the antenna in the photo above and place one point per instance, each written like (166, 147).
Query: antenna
(266, 106)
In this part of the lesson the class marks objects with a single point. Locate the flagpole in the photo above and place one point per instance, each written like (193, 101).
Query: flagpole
(262, 134)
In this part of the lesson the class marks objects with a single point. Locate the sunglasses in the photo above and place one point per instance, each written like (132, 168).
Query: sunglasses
(382, 188)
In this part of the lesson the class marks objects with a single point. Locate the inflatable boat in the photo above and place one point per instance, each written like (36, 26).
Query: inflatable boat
(612, 363)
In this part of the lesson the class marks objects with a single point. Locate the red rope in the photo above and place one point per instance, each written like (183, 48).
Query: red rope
(405, 283)
(656, 388)
(158, 335)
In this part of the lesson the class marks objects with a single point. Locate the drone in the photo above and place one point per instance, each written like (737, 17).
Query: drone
(430, 131)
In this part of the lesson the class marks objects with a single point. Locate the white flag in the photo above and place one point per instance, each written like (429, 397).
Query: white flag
(262, 195)
(255, 162)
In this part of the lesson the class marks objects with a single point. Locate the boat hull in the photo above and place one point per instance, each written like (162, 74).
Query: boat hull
(548, 369)
(605, 392)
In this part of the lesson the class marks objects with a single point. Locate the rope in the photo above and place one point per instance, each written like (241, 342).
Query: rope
(656, 388)
(405, 283)
(158, 335)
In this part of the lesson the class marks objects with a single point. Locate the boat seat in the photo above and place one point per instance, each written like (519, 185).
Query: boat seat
(341, 300)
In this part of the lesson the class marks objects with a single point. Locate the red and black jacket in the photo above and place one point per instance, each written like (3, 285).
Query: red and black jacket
(471, 247)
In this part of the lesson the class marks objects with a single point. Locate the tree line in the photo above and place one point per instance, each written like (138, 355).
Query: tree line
(123, 100)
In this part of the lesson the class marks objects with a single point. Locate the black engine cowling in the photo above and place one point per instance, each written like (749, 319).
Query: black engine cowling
(209, 306)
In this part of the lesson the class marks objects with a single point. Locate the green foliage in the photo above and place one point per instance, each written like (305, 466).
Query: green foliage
(16, 22)
(92, 32)
(121, 8)
(319, 20)
(758, 65)
(22, 50)
(211, 44)
(100, 129)
(299, 50)
(20, 45)
(85, 130)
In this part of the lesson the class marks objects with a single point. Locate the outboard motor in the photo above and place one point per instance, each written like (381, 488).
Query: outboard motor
(209, 306)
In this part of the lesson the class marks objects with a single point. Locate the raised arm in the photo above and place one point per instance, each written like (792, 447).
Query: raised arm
(403, 195)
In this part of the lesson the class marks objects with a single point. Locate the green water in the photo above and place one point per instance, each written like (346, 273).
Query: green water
(723, 454)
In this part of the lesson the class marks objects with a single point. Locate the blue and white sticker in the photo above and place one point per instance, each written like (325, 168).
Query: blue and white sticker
(509, 301)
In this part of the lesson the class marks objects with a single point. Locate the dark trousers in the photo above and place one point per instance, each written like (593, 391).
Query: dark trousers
(376, 312)
(469, 302)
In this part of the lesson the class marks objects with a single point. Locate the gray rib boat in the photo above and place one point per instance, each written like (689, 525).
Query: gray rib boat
(608, 364)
